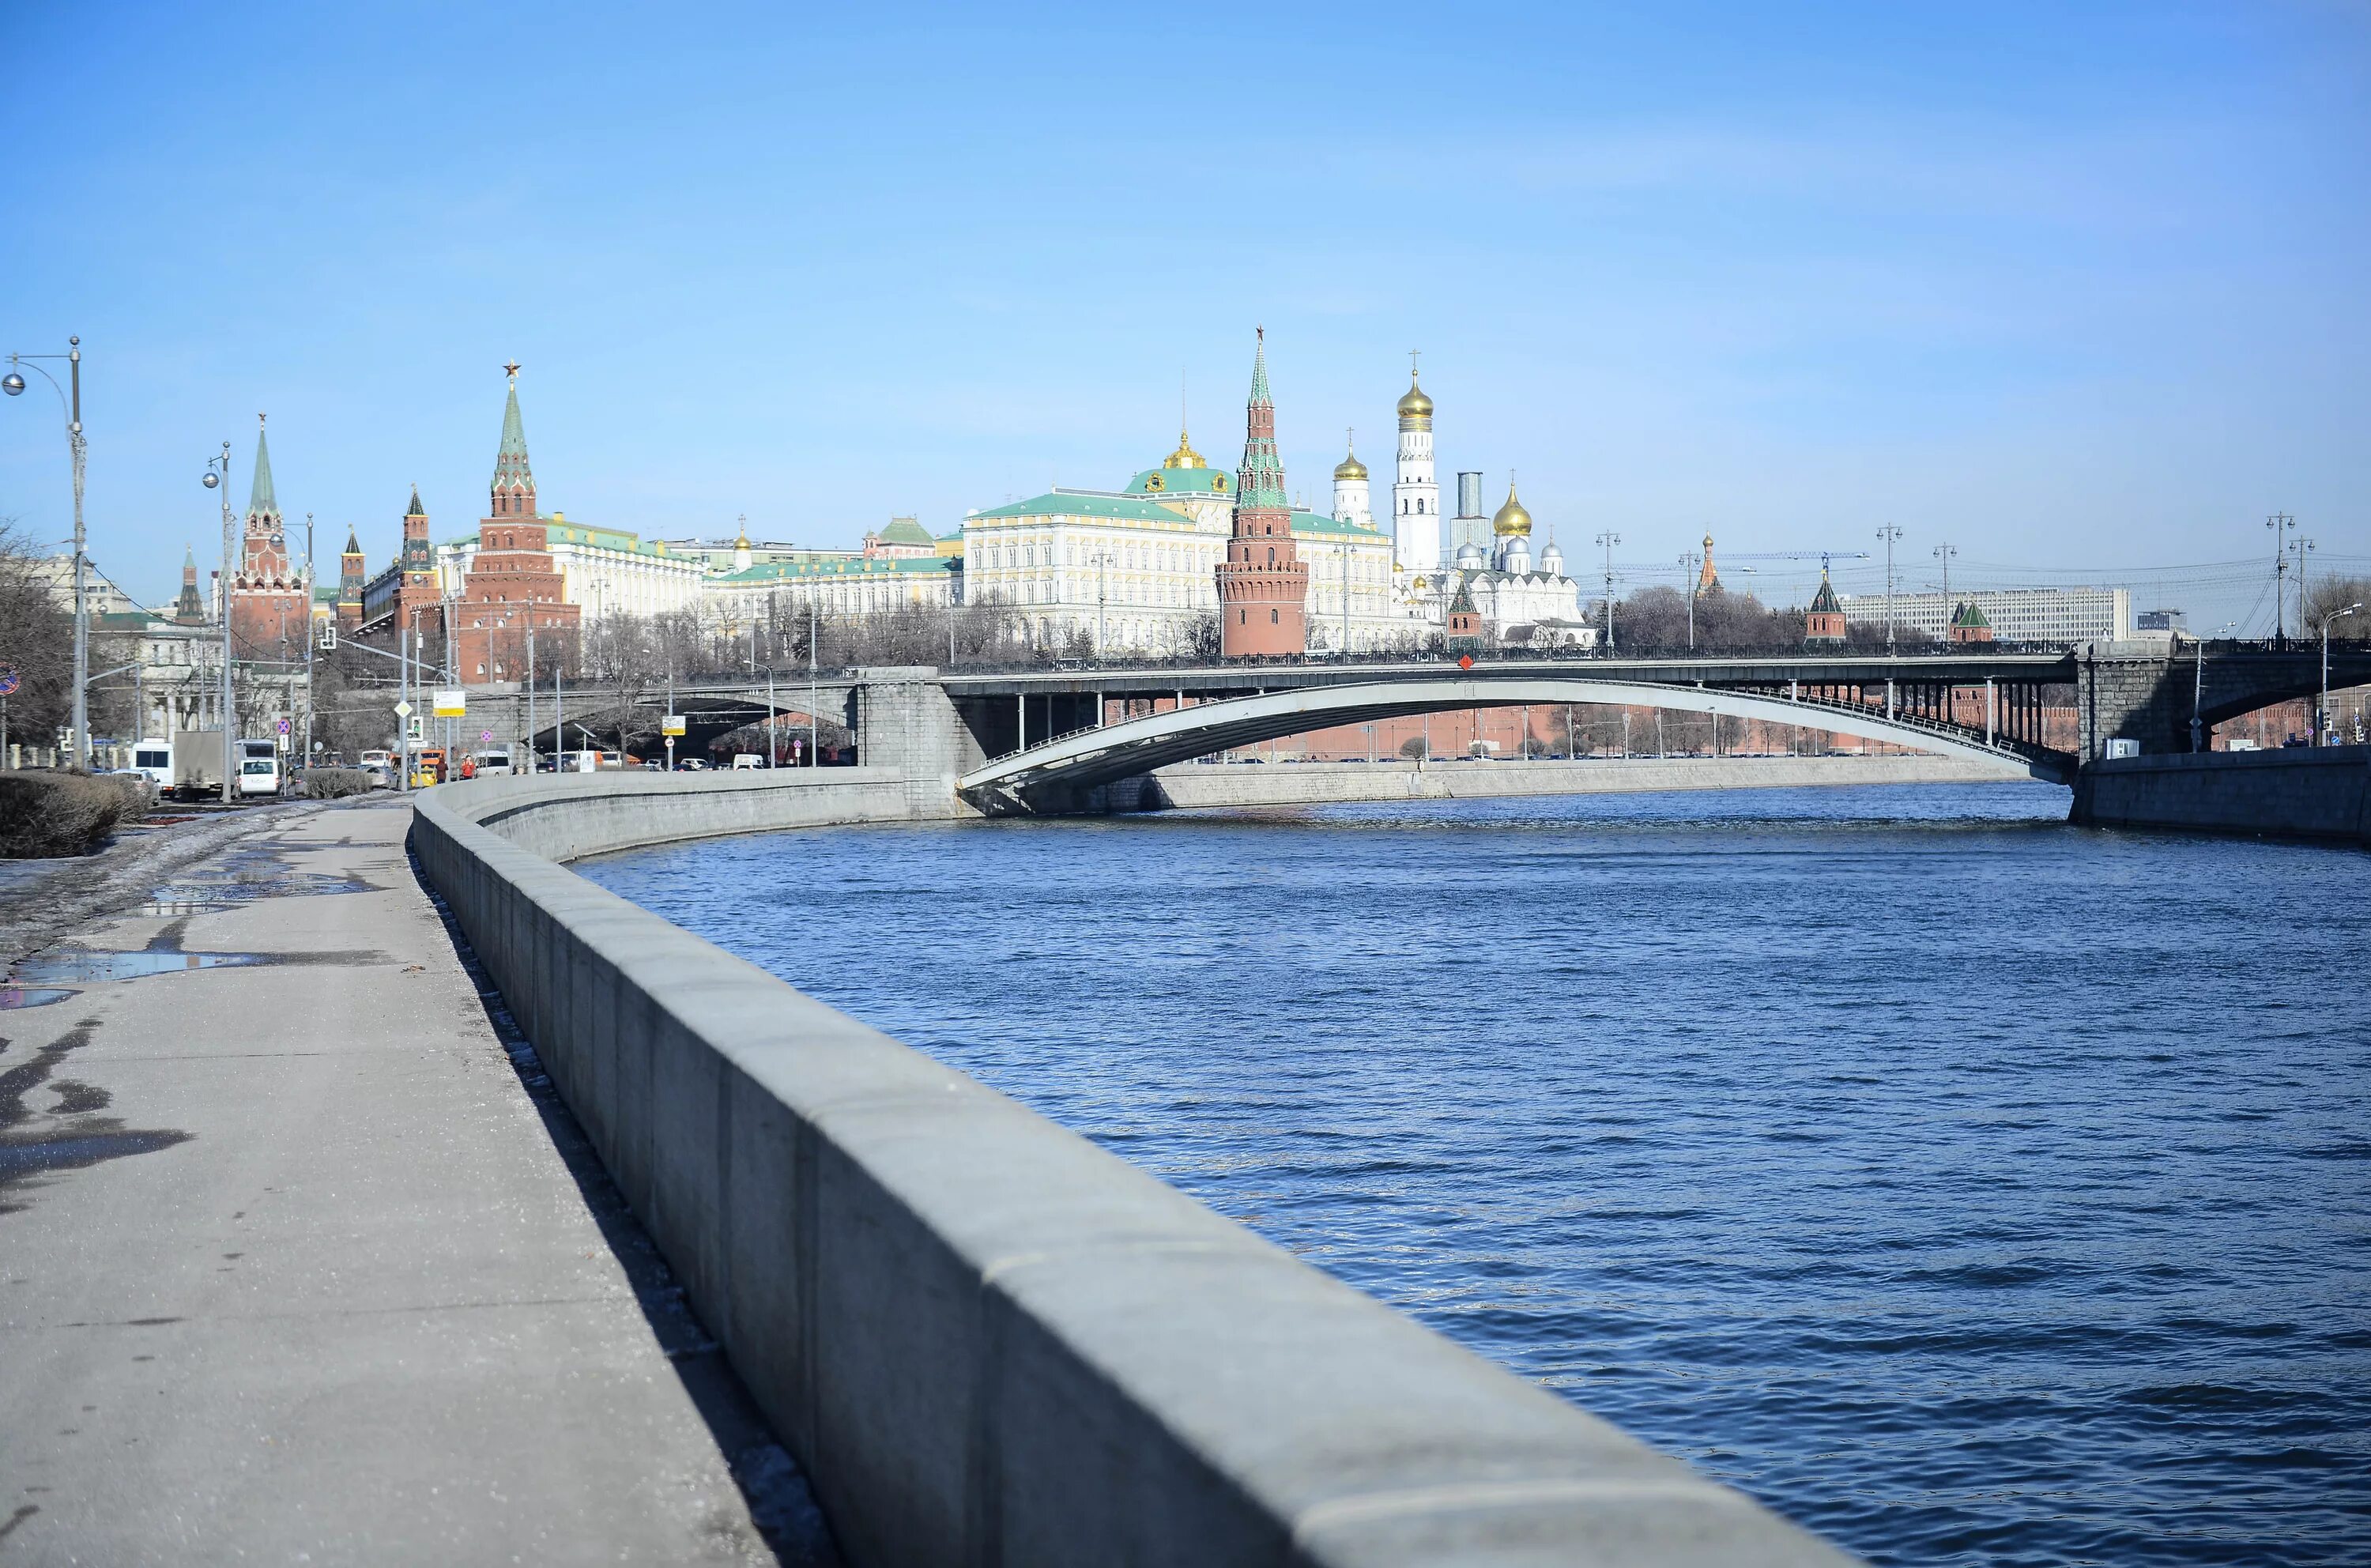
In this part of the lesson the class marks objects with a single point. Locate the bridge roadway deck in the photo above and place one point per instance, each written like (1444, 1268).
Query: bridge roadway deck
(295, 1268)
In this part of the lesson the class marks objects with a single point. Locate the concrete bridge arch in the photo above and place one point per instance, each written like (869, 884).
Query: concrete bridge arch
(1054, 774)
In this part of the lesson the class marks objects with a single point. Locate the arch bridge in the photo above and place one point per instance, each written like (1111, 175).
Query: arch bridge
(1054, 774)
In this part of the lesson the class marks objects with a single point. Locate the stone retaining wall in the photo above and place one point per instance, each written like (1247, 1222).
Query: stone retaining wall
(987, 1340)
(1191, 785)
(2291, 793)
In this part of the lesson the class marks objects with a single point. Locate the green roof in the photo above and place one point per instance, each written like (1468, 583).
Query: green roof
(906, 531)
(841, 567)
(1319, 523)
(1969, 617)
(606, 539)
(1059, 505)
(1183, 481)
(1823, 603)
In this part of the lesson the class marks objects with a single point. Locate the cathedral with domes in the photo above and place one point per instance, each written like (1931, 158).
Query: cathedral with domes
(1517, 590)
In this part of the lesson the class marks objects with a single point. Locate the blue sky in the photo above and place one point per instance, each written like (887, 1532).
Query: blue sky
(2064, 284)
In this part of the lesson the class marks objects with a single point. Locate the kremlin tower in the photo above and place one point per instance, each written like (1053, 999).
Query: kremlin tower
(1416, 494)
(1263, 586)
(269, 608)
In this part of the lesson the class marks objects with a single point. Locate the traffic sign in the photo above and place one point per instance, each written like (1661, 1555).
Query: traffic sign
(671, 725)
(450, 702)
(9, 680)
(485, 735)
(281, 726)
(403, 710)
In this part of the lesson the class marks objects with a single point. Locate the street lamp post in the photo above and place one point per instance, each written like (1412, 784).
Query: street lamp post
(1890, 533)
(2321, 714)
(1606, 542)
(1944, 554)
(1694, 563)
(2280, 522)
(14, 385)
(217, 478)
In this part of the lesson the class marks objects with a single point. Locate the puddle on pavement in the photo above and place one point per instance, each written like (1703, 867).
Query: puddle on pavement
(37, 1141)
(89, 964)
(32, 995)
(207, 893)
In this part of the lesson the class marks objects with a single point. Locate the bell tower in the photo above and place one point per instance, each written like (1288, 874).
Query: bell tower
(1263, 586)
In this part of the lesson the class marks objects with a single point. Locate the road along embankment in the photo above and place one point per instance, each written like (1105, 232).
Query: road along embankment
(987, 1340)
(1200, 785)
(2294, 793)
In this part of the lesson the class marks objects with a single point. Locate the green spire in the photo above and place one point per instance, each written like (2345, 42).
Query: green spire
(415, 509)
(1823, 603)
(1259, 482)
(514, 432)
(354, 545)
(261, 502)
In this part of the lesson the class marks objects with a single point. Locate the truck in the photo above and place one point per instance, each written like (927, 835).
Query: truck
(196, 759)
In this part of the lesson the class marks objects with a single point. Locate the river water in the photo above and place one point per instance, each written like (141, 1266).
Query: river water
(1970, 1188)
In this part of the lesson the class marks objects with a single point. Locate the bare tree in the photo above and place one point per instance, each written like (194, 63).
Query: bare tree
(36, 640)
(2331, 594)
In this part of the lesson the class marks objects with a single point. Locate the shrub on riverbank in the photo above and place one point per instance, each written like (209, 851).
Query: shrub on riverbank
(332, 783)
(44, 814)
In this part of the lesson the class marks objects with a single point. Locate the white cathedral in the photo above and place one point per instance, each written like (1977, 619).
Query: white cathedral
(1522, 598)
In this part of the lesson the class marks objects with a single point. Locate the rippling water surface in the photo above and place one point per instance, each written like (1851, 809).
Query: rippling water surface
(1969, 1187)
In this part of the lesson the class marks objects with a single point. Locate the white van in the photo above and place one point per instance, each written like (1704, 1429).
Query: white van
(154, 758)
(258, 768)
(746, 759)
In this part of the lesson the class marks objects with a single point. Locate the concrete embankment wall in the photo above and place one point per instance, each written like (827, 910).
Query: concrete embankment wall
(987, 1340)
(2298, 793)
(1191, 785)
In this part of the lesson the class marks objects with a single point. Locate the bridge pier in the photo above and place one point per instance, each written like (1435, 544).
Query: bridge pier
(905, 722)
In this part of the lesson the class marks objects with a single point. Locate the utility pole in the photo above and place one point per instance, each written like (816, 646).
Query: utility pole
(1346, 601)
(814, 759)
(217, 477)
(530, 748)
(2280, 522)
(14, 384)
(2321, 713)
(2301, 548)
(1690, 559)
(307, 760)
(1944, 554)
(1890, 533)
(1607, 542)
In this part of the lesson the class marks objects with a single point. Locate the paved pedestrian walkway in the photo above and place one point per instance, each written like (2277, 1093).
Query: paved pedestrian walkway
(296, 1265)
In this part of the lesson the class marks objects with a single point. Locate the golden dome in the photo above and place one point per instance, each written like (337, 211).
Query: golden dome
(1511, 518)
(1185, 456)
(1351, 468)
(1414, 404)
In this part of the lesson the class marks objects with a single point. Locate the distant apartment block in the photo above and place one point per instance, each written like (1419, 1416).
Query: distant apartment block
(2018, 615)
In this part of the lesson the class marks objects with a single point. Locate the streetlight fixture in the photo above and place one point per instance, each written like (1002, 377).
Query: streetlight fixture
(2321, 714)
(1606, 542)
(769, 700)
(1890, 533)
(217, 478)
(14, 385)
(2280, 522)
(2198, 689)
